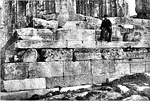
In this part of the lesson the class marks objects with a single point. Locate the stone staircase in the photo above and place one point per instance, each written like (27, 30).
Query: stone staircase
(46, 57)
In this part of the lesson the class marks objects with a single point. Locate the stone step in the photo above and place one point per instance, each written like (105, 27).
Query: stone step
(40, 44)
(35, 34)
(26, 84)
(75, 34)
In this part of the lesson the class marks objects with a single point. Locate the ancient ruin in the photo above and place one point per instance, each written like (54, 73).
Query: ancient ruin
(55, 43)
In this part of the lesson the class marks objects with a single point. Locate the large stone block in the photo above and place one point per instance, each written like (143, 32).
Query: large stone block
(77, 68)
(35, 34)
(147, 66)
(72, 68)
(75, 34)
(14, 71)
(54, 82)
(82, 56)
(98, 79)
(27, 84)
(83, 79)
(57, 54)
(147, 57)
(75, 24)
(40, 44)
(96, 67)
(108, 66)
(138, 67)
(89, 44)
(21, 95)
(52, 25)
(122, 68)
(74, 44)
(88, 35)
(61, 34)
(70, 81)
(45, 69)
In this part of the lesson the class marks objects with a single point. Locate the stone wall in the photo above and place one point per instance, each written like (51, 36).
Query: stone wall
(45, 56)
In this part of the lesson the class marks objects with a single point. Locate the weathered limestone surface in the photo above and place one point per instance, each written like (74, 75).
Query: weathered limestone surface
(122, 68)
(52, 25)
(138, 67)
(142, 8)
(54, 82)
(45, 69)
(147, 66)
(27, 84)
(15, 71)
(57, 54)
(35, 34)
(75, 34)
(40, 44)
(77, 68)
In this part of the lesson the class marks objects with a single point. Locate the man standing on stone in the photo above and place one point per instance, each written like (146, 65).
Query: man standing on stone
(106, 27)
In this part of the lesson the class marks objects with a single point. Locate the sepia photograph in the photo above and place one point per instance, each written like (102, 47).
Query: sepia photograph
(75, 50)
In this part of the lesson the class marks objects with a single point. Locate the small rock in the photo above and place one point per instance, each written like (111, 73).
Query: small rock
(113, 95)
(146, 92)
(136, 98)
(30, 56)
(124, 89)
(57, 97)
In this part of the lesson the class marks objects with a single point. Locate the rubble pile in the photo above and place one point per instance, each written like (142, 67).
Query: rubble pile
(134, 87)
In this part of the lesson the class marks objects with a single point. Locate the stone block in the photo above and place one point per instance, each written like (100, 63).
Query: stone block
(138, 67)
(52, 25)
(85, 67)
(122, 68)
(108, 66)
(54, 82)
(74, 44)
(98, 79)
(62, 33)
(147, 66)
(70, 81)
(21, 95)
(76, 34)
(82, 56)
(40, 44)
(49, 17)
(88, 35)
(72, 68)
(77, 68)
(27, 84)
(83, 79)
(96, 56)
(57, 54)
(30, 55)
(147, 57)
(14, 71)
(35, 34)
(75, 24)
(97, 67)
(89, 44)
(45, 69)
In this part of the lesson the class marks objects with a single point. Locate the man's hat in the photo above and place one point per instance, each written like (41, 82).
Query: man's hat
(105, 15)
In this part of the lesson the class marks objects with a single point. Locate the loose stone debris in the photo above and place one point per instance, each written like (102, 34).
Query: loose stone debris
(135, 87)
